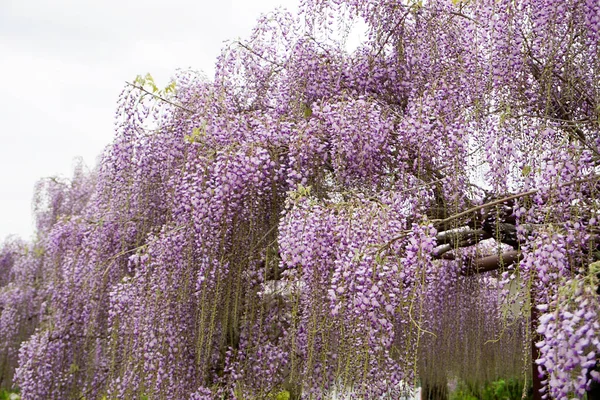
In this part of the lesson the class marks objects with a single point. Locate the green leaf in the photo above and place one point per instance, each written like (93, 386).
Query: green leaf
(378, 259)
(170, 88)
(306, 110)
(73, 368)
(594, 268)
(197, 135)
(149, 78)
(304, 191)
(139, 81)
(283, 395)
(237, 392)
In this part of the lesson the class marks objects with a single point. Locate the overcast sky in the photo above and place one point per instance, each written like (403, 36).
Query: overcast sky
(63, 64)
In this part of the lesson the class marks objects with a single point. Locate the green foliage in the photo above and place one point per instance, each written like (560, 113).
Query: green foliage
(501, 389)
(198, 134)
(300, 192)
(594, 268)
(306, 110)
(9, 395)
(284, 395)
(147, 83)
(462, 394)
(73, 368)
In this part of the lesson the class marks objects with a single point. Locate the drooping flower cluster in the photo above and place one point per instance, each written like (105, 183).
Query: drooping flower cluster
(21, 295)
(569, 347)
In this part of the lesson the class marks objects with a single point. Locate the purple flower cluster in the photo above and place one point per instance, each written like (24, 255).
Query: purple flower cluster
(20, 301)
(569, 347)
(274, 229)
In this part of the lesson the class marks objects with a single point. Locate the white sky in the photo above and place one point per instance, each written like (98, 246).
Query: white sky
(64, 63)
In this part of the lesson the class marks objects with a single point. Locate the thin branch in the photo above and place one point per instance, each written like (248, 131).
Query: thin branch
(91, 389)
(484, 206)
(392, 31)
(459, 14)
(562, 79)
(471, 210)
(135, 249)
(160, 98)
(251, 50)
(505, 199)
(559, 107)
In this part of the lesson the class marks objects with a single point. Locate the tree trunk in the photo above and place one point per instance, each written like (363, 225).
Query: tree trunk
(434, 392)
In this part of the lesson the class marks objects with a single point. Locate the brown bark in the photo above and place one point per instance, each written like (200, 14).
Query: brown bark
(494, 262)
(434, 392)
(450, 240)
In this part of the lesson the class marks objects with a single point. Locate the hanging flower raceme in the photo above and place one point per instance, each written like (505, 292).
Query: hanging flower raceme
(569, 347)
(311, 221)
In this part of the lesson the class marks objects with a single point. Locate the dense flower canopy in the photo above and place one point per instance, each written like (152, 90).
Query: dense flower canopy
(314, 220)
